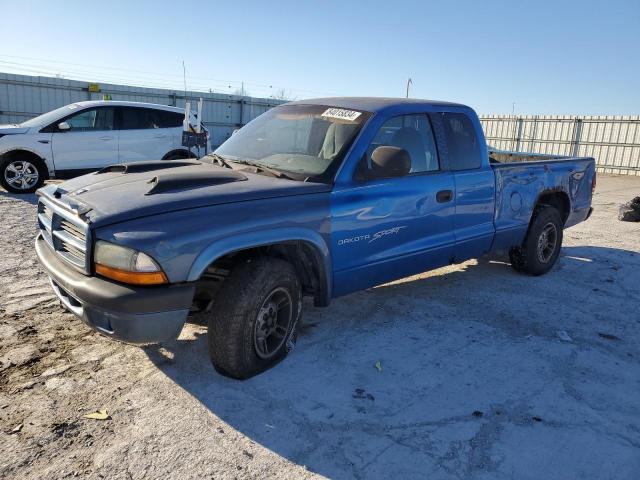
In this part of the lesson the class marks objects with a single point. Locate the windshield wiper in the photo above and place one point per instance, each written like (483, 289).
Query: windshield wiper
(219, 160)
(264, 168)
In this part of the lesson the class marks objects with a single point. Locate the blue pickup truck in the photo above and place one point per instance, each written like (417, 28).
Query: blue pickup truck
(315, 198)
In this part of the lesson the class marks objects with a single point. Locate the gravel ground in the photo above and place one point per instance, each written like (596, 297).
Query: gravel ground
(475, 381)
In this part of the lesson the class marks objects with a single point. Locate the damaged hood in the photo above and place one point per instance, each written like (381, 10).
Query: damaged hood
(124, 192)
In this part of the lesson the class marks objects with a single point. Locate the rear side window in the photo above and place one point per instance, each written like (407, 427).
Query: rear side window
(147, 118)
(171, 119)
(139, 119)
(462, 143)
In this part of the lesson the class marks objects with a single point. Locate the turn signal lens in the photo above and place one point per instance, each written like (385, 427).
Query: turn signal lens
(134, 278)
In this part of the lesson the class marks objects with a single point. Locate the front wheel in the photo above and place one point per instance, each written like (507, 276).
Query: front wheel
(22, 175)
(252, 325)
(541, 247)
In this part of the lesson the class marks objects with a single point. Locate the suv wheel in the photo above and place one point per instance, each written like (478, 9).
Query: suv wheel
(182, 155)
(22, 175)
(252, 325)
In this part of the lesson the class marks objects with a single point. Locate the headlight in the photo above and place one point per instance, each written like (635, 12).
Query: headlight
(127, 265)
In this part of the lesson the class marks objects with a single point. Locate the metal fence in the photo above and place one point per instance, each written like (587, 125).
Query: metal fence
(614, 141)
(23, 97)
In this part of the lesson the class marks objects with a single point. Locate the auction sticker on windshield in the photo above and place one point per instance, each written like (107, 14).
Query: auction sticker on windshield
(341, 114)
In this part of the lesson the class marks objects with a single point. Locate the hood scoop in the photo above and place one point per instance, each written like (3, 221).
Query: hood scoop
(192, 179)
(142, 167)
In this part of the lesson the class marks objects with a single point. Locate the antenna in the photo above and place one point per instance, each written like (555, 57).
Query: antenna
(409, 82)
(184, 77)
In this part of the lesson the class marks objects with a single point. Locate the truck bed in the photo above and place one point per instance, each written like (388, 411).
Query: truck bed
(504, 156)
(521, 179)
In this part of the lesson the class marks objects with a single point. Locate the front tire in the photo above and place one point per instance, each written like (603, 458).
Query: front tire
(22, 174)
(252, 325)
(541, 247)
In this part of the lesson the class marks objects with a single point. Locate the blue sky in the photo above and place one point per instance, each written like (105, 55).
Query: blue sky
(549, 57)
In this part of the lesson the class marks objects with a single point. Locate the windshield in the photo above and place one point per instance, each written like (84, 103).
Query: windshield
(50, 117)
(308, 140)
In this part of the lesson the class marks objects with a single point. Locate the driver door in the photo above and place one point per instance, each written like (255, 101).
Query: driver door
(388, 228)
(90, 143)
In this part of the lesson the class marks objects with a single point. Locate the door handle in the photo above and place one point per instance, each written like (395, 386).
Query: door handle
(105, 138)
(444, 196)
(161, 135)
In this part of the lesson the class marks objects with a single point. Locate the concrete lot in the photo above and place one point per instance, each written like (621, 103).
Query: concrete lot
(476, 381)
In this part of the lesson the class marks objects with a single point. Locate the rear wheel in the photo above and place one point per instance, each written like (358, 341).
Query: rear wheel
(180, 155)
(541, 247)
(22, 174)
(252, 325)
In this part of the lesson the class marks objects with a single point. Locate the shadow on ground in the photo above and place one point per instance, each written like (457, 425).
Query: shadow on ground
(24, 197)
(474, 378)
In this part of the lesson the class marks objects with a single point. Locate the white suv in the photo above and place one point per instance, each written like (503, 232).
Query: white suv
(87, 136)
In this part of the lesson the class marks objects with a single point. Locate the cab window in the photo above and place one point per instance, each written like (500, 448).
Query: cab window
(414, 134)
(463, 149)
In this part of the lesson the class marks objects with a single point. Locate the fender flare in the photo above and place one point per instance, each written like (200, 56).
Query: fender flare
(248, 240)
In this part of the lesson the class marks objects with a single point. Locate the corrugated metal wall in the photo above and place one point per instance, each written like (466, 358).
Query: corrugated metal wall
(23, 97)
(614, 141)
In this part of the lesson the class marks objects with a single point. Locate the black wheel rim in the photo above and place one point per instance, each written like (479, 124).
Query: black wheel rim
(547, 242)
(273, 322)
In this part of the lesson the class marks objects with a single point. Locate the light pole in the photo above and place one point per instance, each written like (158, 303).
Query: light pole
(409, 82)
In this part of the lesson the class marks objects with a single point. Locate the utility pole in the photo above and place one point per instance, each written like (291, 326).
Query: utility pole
(409, 82)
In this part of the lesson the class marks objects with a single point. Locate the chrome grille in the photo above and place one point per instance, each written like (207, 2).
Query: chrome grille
(74, 231)
(65, 232)
(74, 254)
(47, 211)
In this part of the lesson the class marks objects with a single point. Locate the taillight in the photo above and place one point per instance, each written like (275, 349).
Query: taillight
(593, 183)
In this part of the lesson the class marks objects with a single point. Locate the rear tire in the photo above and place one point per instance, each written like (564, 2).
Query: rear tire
(20, 174)
(252, 324)
(181, 155)
(541, 247)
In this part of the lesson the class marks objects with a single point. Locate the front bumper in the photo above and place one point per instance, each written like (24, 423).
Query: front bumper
(127, 313)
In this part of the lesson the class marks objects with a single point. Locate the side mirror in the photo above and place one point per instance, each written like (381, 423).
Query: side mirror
(63, 126)
(387, 161)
